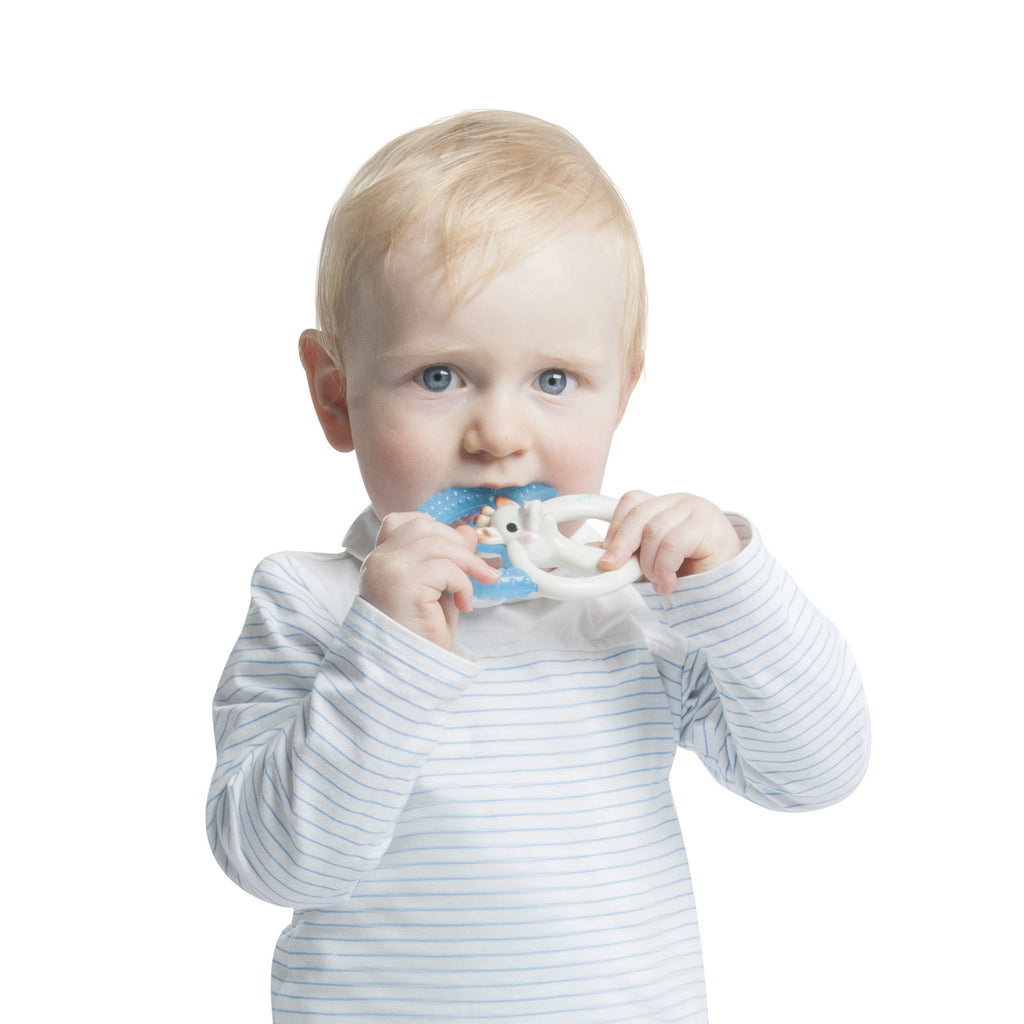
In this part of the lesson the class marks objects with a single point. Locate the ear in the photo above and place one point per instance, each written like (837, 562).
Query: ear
(327, 389)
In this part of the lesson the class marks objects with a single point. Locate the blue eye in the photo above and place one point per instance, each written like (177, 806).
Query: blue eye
(556, 382)
(437, 378)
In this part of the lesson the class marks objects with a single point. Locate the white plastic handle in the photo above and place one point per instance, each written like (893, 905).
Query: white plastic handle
(534, 544)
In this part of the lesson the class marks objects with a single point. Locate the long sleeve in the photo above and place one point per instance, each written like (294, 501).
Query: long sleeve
(321, 729)
(768, 693)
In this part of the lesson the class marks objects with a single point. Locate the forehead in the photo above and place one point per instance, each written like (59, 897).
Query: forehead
(575, 275)
(561, 306)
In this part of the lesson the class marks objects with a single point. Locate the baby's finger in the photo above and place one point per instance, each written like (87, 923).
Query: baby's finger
(411, 524)
(668, 540)
(475, 566)
(414, 551)
(422, 537)
(625, 529)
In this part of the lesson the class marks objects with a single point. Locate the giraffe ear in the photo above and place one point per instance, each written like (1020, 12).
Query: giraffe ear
(532, 515)
(501, 501)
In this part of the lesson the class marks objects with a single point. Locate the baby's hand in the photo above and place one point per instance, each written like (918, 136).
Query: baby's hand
(673, 535)
(419, 574)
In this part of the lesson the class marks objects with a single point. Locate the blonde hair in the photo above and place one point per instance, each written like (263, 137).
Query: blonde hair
(484, 187)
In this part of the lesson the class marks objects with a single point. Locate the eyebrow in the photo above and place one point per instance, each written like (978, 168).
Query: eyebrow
(446, 351)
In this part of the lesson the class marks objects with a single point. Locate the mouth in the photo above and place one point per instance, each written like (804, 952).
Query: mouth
(457, 502)
(510, 485)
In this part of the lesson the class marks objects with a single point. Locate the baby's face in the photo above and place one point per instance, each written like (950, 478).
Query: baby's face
(522, 383)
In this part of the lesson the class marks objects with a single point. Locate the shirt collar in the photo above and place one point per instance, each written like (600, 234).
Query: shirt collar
(361, 538)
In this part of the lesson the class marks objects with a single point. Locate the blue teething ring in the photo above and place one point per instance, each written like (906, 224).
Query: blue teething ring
(524, 533)
(458, 503)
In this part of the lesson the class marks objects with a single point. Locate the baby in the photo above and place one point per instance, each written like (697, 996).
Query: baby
(469, 807)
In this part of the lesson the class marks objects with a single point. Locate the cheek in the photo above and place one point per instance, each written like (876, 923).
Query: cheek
(380, 428)
(579, 460)
(398, 461)
(397, 456)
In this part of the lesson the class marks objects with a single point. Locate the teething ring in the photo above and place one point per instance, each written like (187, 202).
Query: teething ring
(520, 525)
(534, 544)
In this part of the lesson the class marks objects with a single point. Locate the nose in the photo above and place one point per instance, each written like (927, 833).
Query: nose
(497, 428)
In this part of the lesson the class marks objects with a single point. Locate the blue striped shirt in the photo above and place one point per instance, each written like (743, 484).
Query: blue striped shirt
(488, 834)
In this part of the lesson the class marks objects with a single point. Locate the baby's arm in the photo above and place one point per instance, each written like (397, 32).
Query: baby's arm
(322, 728)
(419, 574)
(673, 535)
(764, 687)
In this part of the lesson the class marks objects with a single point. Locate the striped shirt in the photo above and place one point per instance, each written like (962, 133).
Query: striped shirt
(488, 834)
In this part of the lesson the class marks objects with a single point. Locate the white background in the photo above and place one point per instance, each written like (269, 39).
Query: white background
(829, 197)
